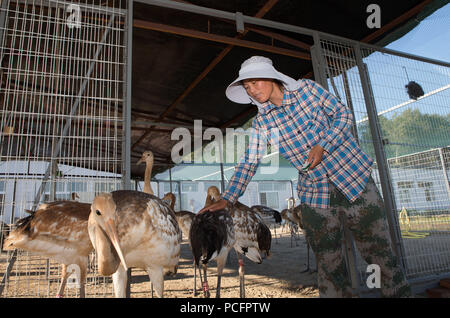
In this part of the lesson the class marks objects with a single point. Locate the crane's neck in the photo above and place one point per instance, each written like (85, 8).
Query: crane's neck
(209, 200)
(148, 175)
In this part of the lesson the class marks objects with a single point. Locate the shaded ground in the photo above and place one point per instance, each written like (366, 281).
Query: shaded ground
(277, 277)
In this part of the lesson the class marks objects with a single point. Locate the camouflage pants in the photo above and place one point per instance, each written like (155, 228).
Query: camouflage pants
(366, 220)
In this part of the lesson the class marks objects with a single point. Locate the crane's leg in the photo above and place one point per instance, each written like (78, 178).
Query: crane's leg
(241, 276)
(83, 271)
(205, 282)
(220, 265)
(120, 282)
(156, 279)
(64, 276)
(275, 231)
(195, 279)
(292, 233)
(307, 259)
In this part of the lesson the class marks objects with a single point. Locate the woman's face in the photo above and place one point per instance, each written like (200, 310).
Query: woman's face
(259, 89)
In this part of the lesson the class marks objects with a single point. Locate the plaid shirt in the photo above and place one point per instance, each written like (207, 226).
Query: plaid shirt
(307, 117)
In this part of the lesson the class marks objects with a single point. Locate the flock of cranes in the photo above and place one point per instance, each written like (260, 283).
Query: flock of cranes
(133, 229)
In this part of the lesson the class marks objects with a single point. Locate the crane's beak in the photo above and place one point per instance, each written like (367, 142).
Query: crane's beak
(140, 161)
(112, 233)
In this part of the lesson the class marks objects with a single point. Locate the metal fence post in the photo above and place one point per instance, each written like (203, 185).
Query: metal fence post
(444, 171)
(348, 247)
(126, 146)
(318, 62)
(383, 167)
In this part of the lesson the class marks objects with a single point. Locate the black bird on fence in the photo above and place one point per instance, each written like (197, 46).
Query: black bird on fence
(413, 89)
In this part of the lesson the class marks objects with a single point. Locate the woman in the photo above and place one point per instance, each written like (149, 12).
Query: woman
(334, 173)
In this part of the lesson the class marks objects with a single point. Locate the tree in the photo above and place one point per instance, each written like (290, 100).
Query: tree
(408, 132)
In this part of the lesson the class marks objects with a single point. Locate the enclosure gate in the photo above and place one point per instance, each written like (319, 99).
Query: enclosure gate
(63, 103)
(405, 129)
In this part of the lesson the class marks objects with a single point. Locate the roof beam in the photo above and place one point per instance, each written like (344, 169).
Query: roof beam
(408, 14)
(219, 38)
(266, 8)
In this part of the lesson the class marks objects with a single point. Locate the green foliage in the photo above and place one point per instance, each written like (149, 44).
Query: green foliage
(408, 132)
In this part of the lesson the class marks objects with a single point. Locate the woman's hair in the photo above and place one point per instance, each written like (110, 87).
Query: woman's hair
(277, 81)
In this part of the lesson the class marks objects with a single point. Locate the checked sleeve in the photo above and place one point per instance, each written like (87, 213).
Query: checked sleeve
(249, 162)
(340, 117)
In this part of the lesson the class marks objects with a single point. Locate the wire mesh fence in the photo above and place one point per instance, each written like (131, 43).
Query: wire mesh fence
(61, 120)
(412, 106)
(62, 71)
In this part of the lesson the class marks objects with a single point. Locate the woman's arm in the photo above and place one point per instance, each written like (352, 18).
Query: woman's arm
(340, 116)
(245, 170)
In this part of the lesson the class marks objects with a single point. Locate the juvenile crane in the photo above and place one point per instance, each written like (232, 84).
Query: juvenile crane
(134, 229)
(57, 230)
(271, 217)
(184, 218)
(148, 158)
(253, 237)
(211, 237)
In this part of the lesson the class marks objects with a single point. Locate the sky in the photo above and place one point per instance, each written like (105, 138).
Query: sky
(431, 38)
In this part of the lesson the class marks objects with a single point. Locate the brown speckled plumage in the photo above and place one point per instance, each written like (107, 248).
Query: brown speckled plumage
(57, 230)
(142, 229)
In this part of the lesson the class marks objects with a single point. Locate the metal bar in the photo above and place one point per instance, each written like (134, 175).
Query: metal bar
(87, 7)
(5, 277)
(170, 179)
(350, 104)
(383, 167)
(320, 62)
(73, 111)
(315, 64)
(4, 6)
(444, 171)
(350, 255)
(126, 146)
(280, 37)
(179, 195)
(280, 26)
(219, 38)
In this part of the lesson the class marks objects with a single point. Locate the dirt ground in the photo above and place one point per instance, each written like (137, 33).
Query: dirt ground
(277, 277)
(280, 276)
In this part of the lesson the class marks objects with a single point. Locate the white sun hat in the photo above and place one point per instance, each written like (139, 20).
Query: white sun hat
(256, 67)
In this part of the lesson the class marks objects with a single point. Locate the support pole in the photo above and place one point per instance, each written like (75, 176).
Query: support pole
(126, 149)
(170, 179)
(444, 171)
(383, 168)
(3, 26)
(179, 194)
(318, 62)
(348, 96)
(320, 66)
(126, 146)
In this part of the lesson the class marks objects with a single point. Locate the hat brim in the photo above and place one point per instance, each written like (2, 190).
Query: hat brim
(237, 93)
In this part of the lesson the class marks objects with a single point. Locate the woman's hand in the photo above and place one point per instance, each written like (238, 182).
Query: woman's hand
(315, 156)
(219, 205)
